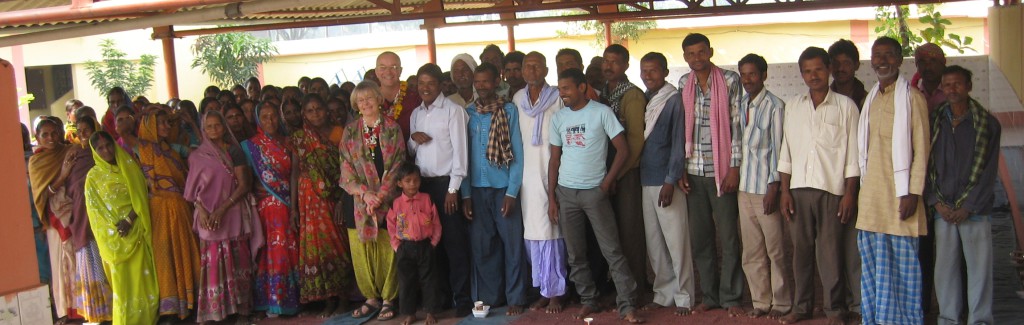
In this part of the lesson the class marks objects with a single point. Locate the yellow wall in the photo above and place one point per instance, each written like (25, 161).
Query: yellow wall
(1007, 49)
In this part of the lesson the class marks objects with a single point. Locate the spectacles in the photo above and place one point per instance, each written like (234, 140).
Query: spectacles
(389, 67)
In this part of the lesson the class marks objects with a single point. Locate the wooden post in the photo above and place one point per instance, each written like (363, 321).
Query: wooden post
(607, 33)
(511, 37)
(431, 44)
(166, 36)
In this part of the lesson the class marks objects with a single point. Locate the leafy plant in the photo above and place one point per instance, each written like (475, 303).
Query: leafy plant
(229, 59)
(893, 23)
(621, 31)
(26, 99)
(117, 71)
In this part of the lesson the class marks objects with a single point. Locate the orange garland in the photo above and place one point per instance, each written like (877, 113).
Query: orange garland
(397, 106)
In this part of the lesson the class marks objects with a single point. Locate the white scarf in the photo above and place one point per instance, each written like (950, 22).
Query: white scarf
(655, 106)
(902, 152)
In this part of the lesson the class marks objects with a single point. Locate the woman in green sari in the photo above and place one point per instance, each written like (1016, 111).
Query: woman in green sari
(116, 199)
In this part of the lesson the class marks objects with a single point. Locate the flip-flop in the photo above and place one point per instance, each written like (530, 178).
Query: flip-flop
(370, 310)
(384, 309)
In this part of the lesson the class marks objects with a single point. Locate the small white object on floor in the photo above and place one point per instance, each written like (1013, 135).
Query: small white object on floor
(481, 311)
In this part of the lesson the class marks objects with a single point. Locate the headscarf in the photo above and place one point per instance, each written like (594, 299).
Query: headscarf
(105, 205)
(163, 166)
(75, 189)
(43, 168)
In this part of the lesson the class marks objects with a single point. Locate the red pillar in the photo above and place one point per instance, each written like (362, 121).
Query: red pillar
(166, 35)
(511, 37)
(21, 269)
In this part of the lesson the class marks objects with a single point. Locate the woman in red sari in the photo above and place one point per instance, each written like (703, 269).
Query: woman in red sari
(271, 154)
(323, 253)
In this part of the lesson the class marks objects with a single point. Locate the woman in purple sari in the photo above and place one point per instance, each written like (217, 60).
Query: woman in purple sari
(225, 218)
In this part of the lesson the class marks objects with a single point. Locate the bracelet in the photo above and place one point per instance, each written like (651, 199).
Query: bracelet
(50, 189)
(129, 220)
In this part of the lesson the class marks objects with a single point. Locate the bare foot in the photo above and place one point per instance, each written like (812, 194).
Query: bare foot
(854, 318)
(735, 311)
(632, 318)
(703, 308)
(682, 311)
(835, 320)
(755, 313)
(793, 318)
(430, 320)
(651, 306)
(408, 320)
(514, 310)
(555, 306)
(585, 311)
(775, 314)
(540, 304)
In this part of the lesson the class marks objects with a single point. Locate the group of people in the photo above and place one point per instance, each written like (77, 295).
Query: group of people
(483, 182)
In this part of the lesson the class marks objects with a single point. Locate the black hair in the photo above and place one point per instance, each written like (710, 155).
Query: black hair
(406, 169)
(513, 57)
(757, 60)
(251, 80)
(618, 49)
(492, 47)
(696, 38)
(576, 75)
(431, 70)
(304, 78)
(47, 120)
(87, 120)
(311, 97)
(211, 89)
(237, 87)
(487, 67)
(83, 111)
(230, 94)
(26, 138)
(812, 52)
(125, 108)
(318, 80)
(956, 69)
(844, 46)
(100, 134)
(886, 40)
(204, 102)
(572, 52)
(119, 90)
(656, 58)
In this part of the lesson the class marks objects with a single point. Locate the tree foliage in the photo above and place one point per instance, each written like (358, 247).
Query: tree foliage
(621, 31)
(229, 59)
(117, 71)
(893, 23)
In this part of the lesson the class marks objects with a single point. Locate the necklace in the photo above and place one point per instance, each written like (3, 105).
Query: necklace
(371, 136)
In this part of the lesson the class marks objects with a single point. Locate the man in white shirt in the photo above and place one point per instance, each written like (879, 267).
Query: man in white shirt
(438, 142)
(819, 171)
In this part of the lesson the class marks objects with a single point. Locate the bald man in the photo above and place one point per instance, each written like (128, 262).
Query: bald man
(930, 60)
(399, 101)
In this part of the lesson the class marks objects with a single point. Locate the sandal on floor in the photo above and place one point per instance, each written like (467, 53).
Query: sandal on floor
(370, 310)
(384, 309)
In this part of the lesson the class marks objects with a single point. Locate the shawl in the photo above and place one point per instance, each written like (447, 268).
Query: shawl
(164, 167)
(271, 162)
(211, 180)
(75, 189)
(44, 168)
(359, 175)
(721, 128)
(319, 158)
(548, 96)
(613, 97)
(901, 130)
(499, 142)
(111, 193)
(979, 117)
(655, 105)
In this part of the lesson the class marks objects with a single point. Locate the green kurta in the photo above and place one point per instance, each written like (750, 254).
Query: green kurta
(878, 206)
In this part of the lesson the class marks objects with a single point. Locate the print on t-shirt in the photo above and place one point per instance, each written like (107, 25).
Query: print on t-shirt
(575, 136)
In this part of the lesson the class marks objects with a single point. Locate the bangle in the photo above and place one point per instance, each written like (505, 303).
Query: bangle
(129, 220)
(50, 189)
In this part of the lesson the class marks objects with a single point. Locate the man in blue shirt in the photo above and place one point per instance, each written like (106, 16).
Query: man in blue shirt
(489, 194)
(579, 142)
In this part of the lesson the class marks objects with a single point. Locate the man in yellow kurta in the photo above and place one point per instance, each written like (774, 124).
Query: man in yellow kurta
(894, 142)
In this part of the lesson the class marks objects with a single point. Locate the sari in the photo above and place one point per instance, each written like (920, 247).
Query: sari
(323, 254)
(372, 255)
(175, 250)
(92, 296)
(112, 192)
(43, 169)
(226, 253)
(277, 288)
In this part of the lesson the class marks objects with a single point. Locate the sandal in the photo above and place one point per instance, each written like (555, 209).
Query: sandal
(385, 309)
(370, 310)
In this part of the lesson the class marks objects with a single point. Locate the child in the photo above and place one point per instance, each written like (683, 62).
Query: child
(415, 230)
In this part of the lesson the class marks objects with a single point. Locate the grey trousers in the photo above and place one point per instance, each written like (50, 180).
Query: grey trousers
(668, 246)
(817, 240)
(629, 217)
(575, 208)
(712, 215)
(971, 241)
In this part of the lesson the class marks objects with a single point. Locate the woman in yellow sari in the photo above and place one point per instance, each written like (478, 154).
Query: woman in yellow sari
(116, 201)
(175, 250)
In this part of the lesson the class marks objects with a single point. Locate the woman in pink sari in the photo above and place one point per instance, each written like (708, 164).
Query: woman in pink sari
(225, 218)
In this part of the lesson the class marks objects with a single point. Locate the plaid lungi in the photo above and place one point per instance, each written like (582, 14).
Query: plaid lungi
(890, 279)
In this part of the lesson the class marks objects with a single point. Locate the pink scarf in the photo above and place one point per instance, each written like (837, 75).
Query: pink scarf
(721, 128)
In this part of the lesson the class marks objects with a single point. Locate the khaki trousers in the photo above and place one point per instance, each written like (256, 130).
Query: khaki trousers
(764, 255)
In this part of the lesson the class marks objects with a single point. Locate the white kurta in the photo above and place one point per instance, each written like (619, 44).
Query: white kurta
(534, 194)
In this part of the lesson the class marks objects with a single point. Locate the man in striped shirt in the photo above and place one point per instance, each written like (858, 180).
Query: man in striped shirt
(761, 224)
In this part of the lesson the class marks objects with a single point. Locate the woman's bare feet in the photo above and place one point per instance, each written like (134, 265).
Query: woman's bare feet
(793, 318)
(408, 320)
(703, 308)
(632, 318)
(540, 304)
(682, 311)
(585, 311)
(735, 311)
(554, 306)
(514, 310)
(430, 319)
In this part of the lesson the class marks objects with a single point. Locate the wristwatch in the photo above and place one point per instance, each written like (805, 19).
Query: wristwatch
(452, 190)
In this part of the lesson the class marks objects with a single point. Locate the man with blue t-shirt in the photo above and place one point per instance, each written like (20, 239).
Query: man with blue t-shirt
(579, 139)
